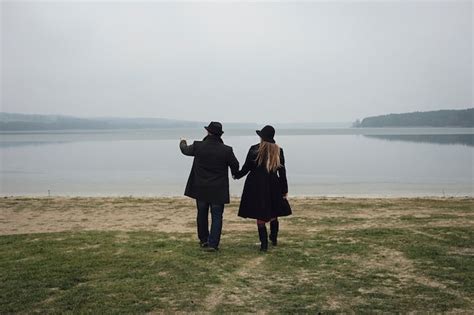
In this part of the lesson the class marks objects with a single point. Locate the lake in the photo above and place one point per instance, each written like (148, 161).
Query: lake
(320, 162)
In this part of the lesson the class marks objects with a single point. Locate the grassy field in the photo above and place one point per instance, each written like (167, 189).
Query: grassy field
(132, 255)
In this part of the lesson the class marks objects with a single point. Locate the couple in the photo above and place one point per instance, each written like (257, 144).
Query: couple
(265, 190)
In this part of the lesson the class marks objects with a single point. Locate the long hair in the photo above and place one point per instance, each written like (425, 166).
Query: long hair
(269, 156)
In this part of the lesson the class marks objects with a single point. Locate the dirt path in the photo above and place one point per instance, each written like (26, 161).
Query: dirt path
(236, 295)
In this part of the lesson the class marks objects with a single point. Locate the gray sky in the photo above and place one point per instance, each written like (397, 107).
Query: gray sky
(248, 62)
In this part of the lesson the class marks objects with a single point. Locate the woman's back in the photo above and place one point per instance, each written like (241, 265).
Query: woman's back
(266, 187)
(257, 160)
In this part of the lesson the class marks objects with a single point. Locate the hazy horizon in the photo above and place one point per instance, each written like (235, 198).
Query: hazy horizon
(157, 117)
(204, 121)
(311, 62)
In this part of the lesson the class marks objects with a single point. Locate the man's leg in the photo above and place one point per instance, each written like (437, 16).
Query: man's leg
(216, 225)
(202, 221)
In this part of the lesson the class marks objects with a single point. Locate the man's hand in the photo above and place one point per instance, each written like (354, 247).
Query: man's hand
(185, 148)
(285, 196)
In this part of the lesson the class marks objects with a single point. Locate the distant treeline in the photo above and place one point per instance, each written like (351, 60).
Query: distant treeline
(439, 118)
(24, 122)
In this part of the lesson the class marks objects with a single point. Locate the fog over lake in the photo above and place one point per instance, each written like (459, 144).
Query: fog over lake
(288, 61)
(322, 162)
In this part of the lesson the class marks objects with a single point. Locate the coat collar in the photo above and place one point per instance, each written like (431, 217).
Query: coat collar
(213, 138)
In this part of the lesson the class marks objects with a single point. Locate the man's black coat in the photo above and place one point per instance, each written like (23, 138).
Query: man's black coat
(209, 180)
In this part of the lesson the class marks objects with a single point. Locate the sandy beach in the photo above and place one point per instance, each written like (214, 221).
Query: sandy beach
(20, 215)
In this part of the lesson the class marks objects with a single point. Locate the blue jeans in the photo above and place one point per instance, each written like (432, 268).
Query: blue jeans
(214, 237)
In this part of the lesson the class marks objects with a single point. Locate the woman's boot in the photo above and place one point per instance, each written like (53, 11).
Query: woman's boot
(274, 227)
(262, 234)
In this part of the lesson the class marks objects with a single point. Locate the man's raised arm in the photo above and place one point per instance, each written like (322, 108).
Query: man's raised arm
(185, 148)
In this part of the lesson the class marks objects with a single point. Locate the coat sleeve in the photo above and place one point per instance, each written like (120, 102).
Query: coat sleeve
(233, 163)
(247, 166)
(282, 173)
(186, 149)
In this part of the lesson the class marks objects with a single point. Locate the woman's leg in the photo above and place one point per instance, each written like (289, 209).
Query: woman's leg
(262, 234)
(274, 227)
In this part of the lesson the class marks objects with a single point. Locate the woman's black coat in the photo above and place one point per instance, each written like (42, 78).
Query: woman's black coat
(209, 177)
(262, 197)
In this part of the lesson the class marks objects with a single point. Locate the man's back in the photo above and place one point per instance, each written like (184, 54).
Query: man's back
(208, 180)
(211, 160)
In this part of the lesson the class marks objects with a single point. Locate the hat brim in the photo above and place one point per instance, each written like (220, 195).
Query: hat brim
(214, 132)
(259, 133)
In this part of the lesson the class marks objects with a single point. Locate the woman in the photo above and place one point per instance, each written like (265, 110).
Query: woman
(266, 187)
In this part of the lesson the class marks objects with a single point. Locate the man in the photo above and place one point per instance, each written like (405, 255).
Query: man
(208, 182)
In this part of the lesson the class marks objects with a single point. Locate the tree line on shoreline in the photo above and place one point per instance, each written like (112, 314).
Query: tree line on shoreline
(439, 118)
(33, 122)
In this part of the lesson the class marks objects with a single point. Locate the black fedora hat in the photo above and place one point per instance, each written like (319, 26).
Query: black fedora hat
(215, 128)
(267, 133)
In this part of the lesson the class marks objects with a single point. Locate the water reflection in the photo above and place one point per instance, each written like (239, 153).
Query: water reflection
(463, 139)
(151, 164)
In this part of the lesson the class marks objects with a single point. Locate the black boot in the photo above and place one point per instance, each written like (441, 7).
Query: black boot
(262, 234)
(274, 227)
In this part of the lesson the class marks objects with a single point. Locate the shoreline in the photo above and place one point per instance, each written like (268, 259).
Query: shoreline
(234, 197)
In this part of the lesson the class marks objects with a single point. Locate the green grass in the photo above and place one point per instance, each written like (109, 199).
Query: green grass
(412, 268)
(134, 272)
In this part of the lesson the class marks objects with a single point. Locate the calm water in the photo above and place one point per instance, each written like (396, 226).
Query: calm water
(331, 162)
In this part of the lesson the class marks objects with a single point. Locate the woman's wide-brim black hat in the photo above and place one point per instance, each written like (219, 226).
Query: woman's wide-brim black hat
(215, 128)
(267, 133)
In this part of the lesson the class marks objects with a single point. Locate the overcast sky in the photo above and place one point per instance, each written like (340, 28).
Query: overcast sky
(247, 62)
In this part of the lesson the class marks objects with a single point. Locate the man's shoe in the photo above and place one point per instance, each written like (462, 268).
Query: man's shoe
(210, 249)
(204, 244)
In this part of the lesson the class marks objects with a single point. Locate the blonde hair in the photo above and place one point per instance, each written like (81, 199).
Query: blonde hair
(269, 156)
